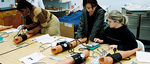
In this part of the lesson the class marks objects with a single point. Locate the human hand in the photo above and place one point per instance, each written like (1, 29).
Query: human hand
(113, 46)
(25, 27)
(79, 38)
(89, 42)
(98, 40)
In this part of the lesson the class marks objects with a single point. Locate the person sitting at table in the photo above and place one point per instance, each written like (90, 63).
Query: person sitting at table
(117, 34)
(43, 20)
(91, 21)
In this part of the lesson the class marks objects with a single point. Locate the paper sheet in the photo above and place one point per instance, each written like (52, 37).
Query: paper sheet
(10, 31)
(96, 60)
(50, 39)
(60, 40)
(55, 58)
(32, 58)
(143, 56)
(44, 39)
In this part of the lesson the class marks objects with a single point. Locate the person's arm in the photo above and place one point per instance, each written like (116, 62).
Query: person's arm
(98, 25)
(98, 40)
(32, 25)
(111, 59)
(23, 37)
(129, 42)
(5, 27)
(42, 19)
(43, 23)
(81, 26)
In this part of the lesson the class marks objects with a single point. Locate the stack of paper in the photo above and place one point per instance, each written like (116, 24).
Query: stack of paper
(50, 39)
(143, 56)
(44, 39)
(32, 58)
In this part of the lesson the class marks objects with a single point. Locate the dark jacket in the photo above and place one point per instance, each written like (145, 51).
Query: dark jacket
(98, 26)
(122, 37)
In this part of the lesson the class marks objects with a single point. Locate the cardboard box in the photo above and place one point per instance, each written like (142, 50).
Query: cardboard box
(67, 29)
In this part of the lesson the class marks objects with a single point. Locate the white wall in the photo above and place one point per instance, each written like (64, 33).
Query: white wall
(116, 4)
(78, 2)
(6, 3)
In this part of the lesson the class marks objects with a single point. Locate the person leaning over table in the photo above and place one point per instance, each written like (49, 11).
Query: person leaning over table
(43, 20)
(117, 34)
(91, 21)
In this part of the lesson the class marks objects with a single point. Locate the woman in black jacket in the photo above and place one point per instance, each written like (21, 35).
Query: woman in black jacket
(117, 34)
(91, 21)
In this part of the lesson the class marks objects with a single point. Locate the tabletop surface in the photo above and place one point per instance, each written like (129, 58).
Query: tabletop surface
(13, 56)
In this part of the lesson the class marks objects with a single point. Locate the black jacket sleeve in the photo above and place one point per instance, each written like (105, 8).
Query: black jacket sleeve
(81, 26)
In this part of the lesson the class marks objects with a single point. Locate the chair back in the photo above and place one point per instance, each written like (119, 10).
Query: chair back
(139, 44)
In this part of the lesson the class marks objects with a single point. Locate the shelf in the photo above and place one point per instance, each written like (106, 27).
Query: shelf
(56, 10)
(64, 1)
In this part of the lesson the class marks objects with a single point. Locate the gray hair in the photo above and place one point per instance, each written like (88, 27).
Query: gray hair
(115, 15)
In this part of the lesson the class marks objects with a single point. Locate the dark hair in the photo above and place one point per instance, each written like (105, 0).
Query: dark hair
(24, 4)
(92, 2)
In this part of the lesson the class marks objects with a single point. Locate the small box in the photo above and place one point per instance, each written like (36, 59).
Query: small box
(92, 46)
(67, 29)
